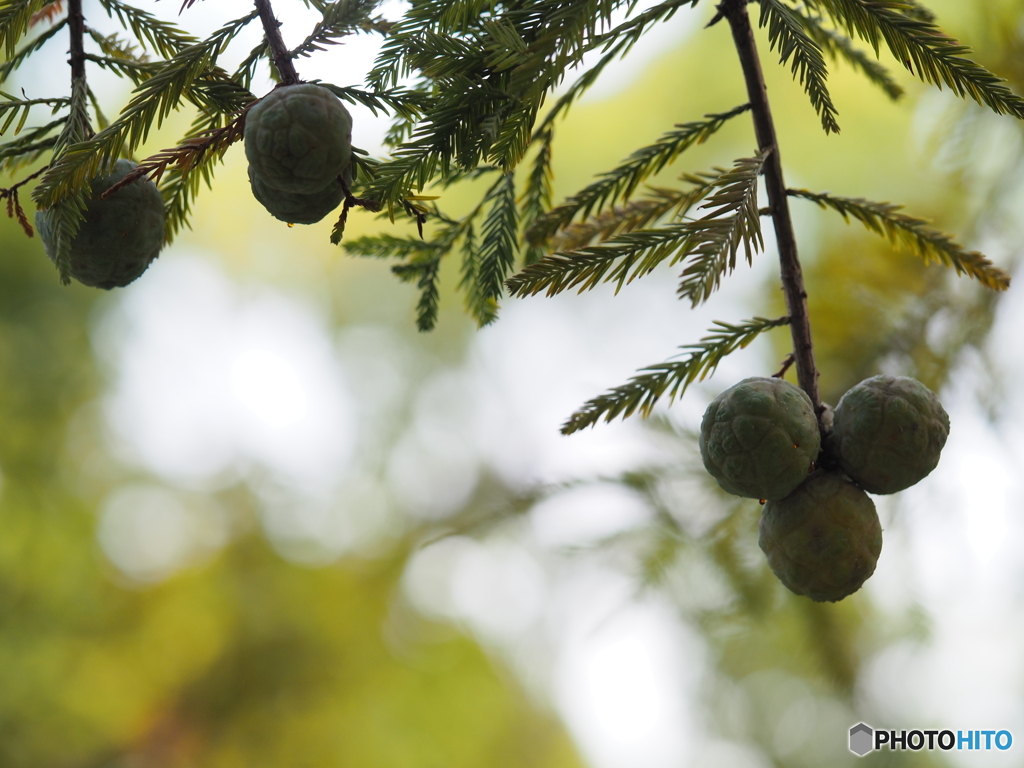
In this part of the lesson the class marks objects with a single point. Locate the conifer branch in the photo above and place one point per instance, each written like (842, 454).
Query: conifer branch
(181, 183)
(212, 143)
(499, 245)
(30, 146)
(279, 53)
(617, 43)
(246, 70)
(405, 103)
(456, 133)
(164, 37)
(425, 274)
(14, 107)
(914, 39)
(735, 11)
(641, 392)
(713, 240)
(580, 86)
(135, 71)
(422, 260)
(715, 253)
(912, 234)
(554, 35)
(113, 46)
(787, 35)
(19, 58)
(631, 31)
(340, 18)
(620, 260)
(841, 47)
(489, 74)
(392, 247)
(536, 197)
(15, 18)
(641, 250)
(629, 217)
(621, 182)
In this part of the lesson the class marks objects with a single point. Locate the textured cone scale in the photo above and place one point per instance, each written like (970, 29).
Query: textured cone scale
(297, 207)
(298, 138)
(119, 237)
(824, 539)
(888, 433)
(759, 438)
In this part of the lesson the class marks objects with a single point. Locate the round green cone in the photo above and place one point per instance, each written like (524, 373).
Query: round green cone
(119, 237)
(297, 207)
(759, 438)
(298, 138)
(888, 433)
(824, 539)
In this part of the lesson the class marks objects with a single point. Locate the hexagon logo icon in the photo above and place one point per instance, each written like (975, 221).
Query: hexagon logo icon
(861, 739)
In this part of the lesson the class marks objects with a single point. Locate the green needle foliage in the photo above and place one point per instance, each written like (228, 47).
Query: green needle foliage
(645, 389)
(469, 87)
(914, 235)
(712, 241)
(621, 182)
(840, 47)
(786, 33)
(914, 38)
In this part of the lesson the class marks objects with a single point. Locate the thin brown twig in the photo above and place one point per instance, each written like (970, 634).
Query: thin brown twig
(786, 364)
(735, 11)
(76, 28)
(351, 201)
(279, 52)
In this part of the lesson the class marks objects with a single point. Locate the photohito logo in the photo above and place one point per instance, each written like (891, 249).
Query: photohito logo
(865, 739)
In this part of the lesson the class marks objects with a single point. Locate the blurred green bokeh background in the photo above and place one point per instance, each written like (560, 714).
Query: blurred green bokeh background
(269, 643)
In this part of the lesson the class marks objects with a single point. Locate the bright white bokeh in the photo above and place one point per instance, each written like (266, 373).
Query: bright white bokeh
(149, 532)
(213, 382)
(497, 587)
(627, 672)
(587, 515)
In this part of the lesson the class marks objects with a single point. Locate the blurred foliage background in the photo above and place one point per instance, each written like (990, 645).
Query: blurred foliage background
(241, 613)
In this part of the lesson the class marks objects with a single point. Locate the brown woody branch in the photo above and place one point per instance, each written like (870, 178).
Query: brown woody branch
(735, 12)
(787, 363)
(279, 53)
(76, 28)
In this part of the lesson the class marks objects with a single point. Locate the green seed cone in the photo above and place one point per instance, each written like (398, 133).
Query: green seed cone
(298, 138)
(759, 438)
(824, 539)
(119, 236)
(297, 207)
(888, 433)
